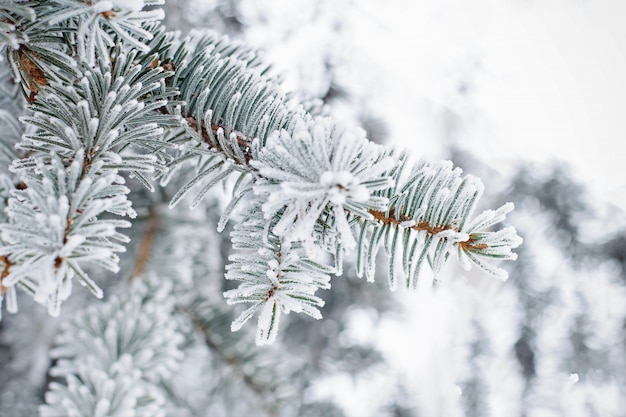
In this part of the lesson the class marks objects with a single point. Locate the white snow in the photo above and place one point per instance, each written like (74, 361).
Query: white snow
(102, 6)
(130, 5)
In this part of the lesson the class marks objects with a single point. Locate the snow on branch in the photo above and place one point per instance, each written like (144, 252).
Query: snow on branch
(428, 217)
(12, 12)
(53, 230)
(322, 166)
(276, 277)
(79, 138)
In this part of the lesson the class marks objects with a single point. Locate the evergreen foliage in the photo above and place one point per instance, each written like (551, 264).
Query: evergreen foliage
(113, 356)
(112, 100)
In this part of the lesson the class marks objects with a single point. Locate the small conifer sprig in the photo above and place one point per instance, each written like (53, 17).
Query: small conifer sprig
(53, 230)
(428, 217)
(275, 276)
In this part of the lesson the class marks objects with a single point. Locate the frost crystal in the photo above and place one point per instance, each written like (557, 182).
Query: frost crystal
(322, 166)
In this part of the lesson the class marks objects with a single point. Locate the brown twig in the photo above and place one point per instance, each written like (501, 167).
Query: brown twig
(145, 247)
(421, 225)
(5, 273)
(471, 246)
(242, 141)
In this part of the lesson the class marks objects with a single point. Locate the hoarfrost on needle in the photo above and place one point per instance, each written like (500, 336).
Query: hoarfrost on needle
(321, 166)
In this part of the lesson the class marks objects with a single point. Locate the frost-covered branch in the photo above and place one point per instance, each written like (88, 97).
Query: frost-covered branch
(276, 277)
(242, 123)
(80, 138)
(430, 215)
(107, 83)
(54, 229)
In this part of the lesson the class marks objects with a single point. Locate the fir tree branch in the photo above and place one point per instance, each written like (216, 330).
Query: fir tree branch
(256, 141)
(317, 174)
(390, 218)
(92, 126)
(275, 276)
